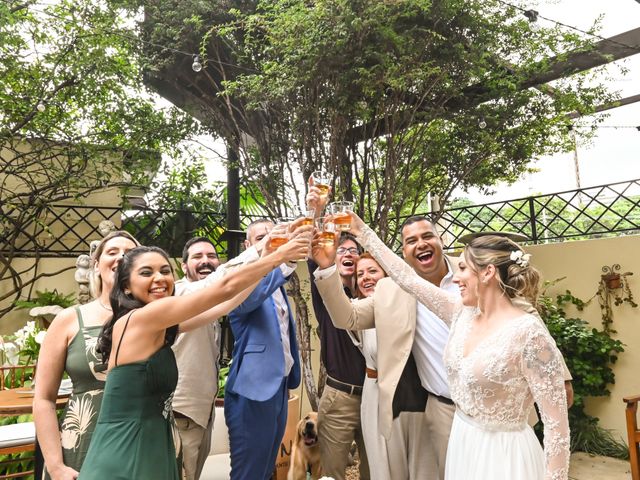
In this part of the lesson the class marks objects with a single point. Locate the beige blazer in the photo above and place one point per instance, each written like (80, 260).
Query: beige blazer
(395, 333)
(395, 311)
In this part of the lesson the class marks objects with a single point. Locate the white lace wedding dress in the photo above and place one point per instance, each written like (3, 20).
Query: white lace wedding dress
(494, 387)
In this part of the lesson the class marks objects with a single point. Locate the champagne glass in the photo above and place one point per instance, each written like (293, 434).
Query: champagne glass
(322, 180)
(340, 211)
(327, 231)
(307, 214)
(279, 233)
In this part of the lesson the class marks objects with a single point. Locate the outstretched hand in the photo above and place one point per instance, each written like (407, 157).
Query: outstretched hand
(295, 249)
(263, 246)
(315, 200)
(357, 224)
(321, 253)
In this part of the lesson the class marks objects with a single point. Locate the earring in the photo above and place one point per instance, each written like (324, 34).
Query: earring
(127, 292)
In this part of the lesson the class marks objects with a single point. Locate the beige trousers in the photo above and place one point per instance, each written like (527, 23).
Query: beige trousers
(338, 427)
(405, 448)
(437, 427)
(196, 443)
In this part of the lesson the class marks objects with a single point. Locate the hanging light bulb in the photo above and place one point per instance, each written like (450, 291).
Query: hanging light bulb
(41, 107)
(196, 66)
(532, 15)
(482, 124)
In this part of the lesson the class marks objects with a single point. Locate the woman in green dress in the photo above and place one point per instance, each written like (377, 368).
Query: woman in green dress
(133, 438)
(69, 347)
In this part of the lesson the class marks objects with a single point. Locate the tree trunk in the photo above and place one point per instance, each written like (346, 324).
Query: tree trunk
(304, 339)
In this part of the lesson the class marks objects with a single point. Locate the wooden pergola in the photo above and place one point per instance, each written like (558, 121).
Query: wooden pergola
(194, 93)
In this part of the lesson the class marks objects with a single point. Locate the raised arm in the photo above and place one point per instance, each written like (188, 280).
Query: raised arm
(166, 312)
(542, 367)
(345, 314)
(217, 312)
(444, 304)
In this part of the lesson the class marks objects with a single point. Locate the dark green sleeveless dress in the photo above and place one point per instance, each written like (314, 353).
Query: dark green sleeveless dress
(81, 413)
(134, 437)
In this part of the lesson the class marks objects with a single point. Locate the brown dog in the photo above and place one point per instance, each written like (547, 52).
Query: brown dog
(305, 453)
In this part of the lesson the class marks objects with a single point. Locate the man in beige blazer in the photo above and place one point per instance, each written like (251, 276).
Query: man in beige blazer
(403, 326)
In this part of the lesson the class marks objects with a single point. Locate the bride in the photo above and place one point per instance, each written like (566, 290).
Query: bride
(499, 361)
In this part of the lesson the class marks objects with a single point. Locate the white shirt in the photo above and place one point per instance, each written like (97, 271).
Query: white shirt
(283, 319)
(430, 340)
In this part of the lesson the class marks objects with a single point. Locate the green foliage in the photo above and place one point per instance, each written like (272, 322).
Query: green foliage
(223, 374)
(48, 297)
(556, 216)
(75, 118)
(589, 354)
(425, 96)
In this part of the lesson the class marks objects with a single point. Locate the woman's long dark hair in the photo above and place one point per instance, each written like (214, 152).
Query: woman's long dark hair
(122, 304)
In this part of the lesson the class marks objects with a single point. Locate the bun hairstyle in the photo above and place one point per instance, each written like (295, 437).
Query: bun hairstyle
(515, 275)
(122, 303)
(95, 282)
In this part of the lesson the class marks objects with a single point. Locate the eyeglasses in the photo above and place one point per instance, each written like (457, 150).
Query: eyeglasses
(351, 250)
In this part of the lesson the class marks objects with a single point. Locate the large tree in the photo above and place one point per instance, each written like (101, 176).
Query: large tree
(427, 96)
(75, 118)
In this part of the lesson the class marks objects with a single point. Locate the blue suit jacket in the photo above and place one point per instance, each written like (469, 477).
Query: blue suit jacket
(257, 369)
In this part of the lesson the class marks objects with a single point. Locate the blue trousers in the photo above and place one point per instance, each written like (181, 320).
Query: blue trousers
(255, 433)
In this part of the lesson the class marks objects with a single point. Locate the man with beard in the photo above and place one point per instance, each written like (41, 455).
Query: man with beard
(197, 355)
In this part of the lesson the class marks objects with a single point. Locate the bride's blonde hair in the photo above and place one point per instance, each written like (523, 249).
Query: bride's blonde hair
(515, 275)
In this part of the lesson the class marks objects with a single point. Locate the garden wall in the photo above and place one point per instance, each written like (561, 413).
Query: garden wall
(581, 263)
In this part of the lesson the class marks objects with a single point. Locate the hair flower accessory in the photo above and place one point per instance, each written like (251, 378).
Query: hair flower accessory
(520, 258)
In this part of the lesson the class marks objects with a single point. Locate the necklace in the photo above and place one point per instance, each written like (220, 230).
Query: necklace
(104, 306)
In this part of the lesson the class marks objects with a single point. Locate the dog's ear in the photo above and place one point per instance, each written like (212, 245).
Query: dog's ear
(299, 430)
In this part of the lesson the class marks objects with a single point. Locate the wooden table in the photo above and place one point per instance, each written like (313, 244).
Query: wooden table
(19, 401)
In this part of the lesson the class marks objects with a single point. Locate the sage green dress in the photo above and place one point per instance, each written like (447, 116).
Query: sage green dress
(80, 416)
(134, 438)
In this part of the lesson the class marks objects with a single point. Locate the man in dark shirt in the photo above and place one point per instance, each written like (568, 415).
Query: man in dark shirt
(339, 410)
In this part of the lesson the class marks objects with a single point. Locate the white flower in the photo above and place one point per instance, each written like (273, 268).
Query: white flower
(40, 336)
(11, 352)
(520, 258)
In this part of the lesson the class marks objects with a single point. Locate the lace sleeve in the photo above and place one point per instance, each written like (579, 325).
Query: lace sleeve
(444, 304)
(542, 367)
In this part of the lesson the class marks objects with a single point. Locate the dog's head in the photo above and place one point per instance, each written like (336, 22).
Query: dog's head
(308, 429)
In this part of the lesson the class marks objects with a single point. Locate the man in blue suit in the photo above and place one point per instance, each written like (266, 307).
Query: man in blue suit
(265, 366)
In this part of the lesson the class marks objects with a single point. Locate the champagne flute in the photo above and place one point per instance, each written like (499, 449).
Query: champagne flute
(340, 211)
(327, 231)
(279, 233)
(322, 180)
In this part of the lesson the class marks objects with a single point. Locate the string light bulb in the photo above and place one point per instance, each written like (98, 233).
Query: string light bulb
(482, 124)
(41, 107)
(196, 66)
(532, 15)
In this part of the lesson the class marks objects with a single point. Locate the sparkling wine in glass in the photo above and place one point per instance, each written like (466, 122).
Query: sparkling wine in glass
(327, 231)
(340, 211)
(322, 180)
